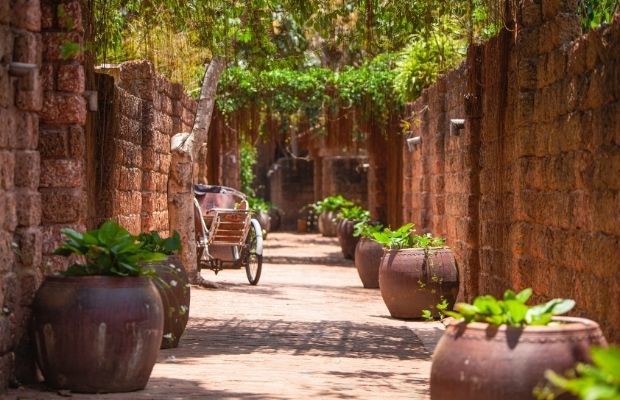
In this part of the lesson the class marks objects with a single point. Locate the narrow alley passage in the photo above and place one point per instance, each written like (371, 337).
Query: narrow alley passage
(306, 330)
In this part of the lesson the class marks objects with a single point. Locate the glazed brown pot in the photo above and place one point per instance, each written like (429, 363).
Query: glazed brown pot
(411, 282)
(175, 298)
(275, 219)
(476, 361)
(97, 334)
(344, 230)
(368, 255)
(264, 219)
(327, 223)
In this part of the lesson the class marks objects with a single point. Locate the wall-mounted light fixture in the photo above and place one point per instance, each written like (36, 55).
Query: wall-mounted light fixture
(456, 125)
(91, 98)
(413, 141)
(26, 72)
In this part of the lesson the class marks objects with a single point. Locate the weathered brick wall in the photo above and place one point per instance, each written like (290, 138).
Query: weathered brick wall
(61, 122)
(345, 175)
(528, 193)
(20, 201)
(139, 113)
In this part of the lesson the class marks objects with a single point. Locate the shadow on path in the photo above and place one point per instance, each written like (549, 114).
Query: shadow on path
(323, 338)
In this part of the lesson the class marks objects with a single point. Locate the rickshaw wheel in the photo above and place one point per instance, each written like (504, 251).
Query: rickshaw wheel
(252, 262)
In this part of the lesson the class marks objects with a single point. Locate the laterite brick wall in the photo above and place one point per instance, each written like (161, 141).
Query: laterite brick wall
(528, 193)
(138, 115)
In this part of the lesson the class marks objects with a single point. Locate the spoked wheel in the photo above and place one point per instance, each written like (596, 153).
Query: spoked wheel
(252, 260)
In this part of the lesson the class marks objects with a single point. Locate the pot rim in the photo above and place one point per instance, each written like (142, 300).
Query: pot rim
(570, 324)
(92, 279)
(415, 249)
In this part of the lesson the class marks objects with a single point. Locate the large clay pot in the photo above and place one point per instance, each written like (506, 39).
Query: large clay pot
(412, 281)
(476, 361)
(368, 255)
(97, 334)
(344, 230)
(327, 223)
(265, 220)
(175, 297)
(276, 219)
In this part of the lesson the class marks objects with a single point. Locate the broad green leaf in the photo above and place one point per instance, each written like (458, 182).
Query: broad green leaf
(516, 311)
(524, 295)
(562, 306)
(608, 359)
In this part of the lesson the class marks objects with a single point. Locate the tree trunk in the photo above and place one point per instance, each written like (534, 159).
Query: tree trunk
(185, 148)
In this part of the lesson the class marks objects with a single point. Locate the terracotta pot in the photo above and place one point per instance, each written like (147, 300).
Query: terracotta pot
(368, 255)
(411, 282)
(478, 361)
(276, 219)
(344, 230)
(327, 223)
(97, 334)
(302, 225)
(175, 298)
(265, 220)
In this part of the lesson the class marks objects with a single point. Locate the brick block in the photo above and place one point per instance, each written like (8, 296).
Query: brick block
(30, 99)
(26, 14)
(6, 89)
(576, 58)
(53, 143)
(63, 109)
(141, 70)
(129, 130)
(46, 73)
(7, 170)
(7, 252)
(62, 173)
(27, 48)
(27, 169)
(76, 141)
(6, 45)
(130, 179)
(52, 237)
(55, 42)
(8, 212)
(71, 78)
(129, 105)
(70, 16)
(29, 210)
(47, 15)
(27, 132)
(30, 242)
(61, 206)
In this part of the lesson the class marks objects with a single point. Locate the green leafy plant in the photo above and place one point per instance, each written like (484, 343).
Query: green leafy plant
(600, 381)
(247, 160)
(154, 243)
(110, 250)
(331, 203)
(441, 307)
(512, 310)
(405, 238)
(594, 13)
(366, 229)
(258, 205)
(355, 213)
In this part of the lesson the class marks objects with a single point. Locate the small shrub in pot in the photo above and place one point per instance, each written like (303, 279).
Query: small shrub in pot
(347, 218)
(500, 349)
(327, 210)
(416, 273)
(368, 253)
(173, 284)
(98, 326)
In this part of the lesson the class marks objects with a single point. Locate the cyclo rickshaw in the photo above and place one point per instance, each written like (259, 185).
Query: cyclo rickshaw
(227, 236)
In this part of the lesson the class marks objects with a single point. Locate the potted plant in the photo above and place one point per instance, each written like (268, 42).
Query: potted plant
(368, 253)
(416, 272)
(500, 349)
(347, 218)
(327, 209)
(173, 284)
(261, 207)
(597, 381)
(98, 326)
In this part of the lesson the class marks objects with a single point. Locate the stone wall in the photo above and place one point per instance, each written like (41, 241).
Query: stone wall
(42, 181)
(138, 115)
(528, 193)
